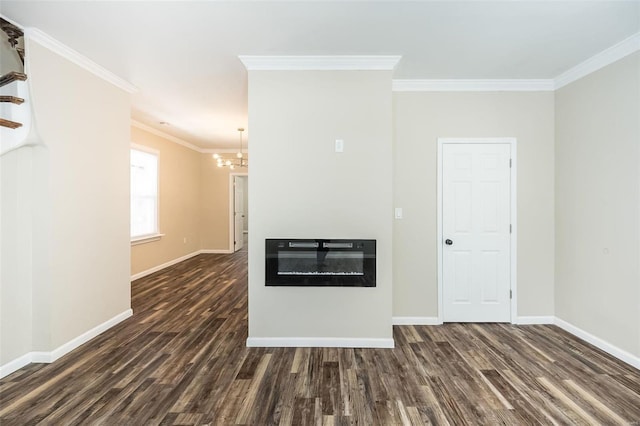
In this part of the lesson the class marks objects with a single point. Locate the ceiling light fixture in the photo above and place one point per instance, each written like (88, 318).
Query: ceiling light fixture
(231, 162)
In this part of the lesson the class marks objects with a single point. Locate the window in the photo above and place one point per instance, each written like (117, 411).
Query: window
(144, 194)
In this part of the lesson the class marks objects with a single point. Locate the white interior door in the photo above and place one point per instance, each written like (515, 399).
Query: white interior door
(476, 210)
(238, 212)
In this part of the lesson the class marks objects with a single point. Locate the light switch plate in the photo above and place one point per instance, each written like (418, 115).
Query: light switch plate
(398, 214)
(339, 145)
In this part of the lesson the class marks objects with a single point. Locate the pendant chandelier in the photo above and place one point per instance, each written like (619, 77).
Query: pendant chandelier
(232, 162)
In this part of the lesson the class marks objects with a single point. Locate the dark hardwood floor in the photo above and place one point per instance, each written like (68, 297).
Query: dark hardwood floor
(181, 360)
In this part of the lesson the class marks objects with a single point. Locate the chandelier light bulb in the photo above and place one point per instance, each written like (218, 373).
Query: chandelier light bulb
(224, 161)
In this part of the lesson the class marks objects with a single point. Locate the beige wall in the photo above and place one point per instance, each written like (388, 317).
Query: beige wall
(301, 188)
(194, 203)
(214, 214)
(180, 204)
(65, 248)
(84, 122)
(597, 203)
(16, 209)
(419, 120)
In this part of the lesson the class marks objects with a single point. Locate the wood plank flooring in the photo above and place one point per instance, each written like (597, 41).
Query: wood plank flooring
(181, 360)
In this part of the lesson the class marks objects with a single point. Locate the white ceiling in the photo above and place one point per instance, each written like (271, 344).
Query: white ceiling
(183, 55)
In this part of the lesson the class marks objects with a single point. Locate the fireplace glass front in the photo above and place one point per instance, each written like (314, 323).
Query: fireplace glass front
(317, 262)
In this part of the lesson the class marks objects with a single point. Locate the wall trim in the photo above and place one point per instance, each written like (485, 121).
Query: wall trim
(609, 348)
(77, 58)
(41, 357)
(600, 60)
(471, 85)
(88, 335)
(49, 357)
(606, 57)
(525, 320)
(319, 342)
(319, 63)
(174, 139)
(149, 129)
(15, 365)
(531, 320)
(216, 251)
(178, 260)
(164, 265)
(416, 321)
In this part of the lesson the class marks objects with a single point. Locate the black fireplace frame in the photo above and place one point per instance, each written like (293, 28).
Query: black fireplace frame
(274, 246)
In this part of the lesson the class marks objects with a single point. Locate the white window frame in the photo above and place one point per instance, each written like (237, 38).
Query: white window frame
(143, 239)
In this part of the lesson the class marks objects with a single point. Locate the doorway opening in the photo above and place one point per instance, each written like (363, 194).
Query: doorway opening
(238, 211)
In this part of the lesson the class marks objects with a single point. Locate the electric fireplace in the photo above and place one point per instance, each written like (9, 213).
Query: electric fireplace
(317, 262)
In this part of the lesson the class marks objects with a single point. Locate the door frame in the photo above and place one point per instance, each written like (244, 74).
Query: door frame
(513, 215)
(232, 225)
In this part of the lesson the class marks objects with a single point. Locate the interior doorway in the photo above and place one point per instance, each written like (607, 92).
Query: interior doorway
(238, 214)
(476, 230)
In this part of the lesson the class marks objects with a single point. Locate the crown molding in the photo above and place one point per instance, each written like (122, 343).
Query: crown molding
(82, 61)
(464, 85)
(600, 60)
(319, 63)
(167, 136)
(171, 138)
(606, 57)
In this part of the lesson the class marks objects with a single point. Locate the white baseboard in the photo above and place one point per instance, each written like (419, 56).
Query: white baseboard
(164, 265)
(88, 335)
(535, 320)
(41, 357)
(216, 251)
(318, 342)
(415, 321)
(613, 350)
(15, 365)
(48, 357)
(529, 320)
(178, 260)
(436, 321)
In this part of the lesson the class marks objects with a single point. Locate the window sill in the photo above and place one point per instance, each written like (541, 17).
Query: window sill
(146, 239)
